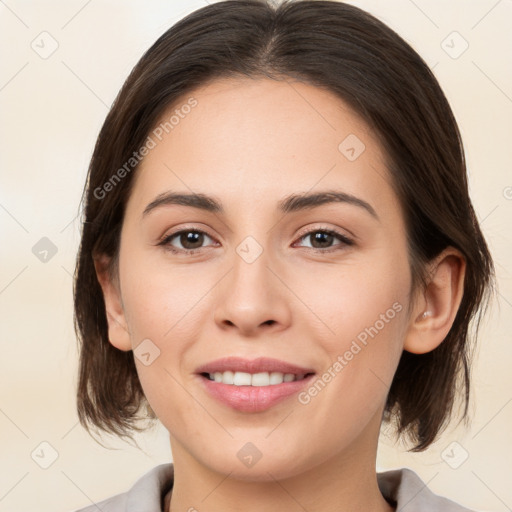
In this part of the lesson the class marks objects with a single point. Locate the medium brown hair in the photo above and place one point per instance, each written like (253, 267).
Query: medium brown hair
(352, 54)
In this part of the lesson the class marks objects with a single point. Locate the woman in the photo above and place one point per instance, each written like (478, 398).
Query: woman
(279, 254)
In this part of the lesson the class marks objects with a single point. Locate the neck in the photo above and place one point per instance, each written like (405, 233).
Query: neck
(345, 482)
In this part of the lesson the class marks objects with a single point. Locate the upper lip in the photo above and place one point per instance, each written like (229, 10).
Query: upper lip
(261, 364)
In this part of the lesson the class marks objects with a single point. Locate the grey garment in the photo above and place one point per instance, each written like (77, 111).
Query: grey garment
(403, 488)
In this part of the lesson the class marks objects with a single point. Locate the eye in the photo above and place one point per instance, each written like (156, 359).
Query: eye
(322, 239)
(189, 240)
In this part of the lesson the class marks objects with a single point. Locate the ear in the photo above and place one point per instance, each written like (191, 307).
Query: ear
(433, 314)
(118, 333)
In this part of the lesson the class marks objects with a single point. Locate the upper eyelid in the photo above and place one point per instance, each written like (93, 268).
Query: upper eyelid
(335, 231)
(186, 230)
(347, 240)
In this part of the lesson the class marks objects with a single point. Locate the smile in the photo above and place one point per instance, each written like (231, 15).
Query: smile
(252, 385)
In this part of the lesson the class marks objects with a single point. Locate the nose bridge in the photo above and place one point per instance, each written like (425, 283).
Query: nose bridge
(251, 278)
(251, 295)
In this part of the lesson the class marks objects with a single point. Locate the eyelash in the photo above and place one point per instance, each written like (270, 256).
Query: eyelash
(345, 241)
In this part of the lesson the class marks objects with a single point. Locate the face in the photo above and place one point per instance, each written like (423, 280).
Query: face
(296, 308)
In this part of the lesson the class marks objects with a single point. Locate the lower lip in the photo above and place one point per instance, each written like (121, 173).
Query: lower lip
(253, 398)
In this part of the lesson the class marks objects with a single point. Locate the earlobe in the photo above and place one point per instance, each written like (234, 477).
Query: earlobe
(118, 333)
(434, 315)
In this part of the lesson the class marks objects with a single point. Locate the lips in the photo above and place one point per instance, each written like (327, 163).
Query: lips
(262, 364)
(252, 385)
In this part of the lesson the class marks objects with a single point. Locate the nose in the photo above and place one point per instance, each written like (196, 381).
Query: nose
(253, 297)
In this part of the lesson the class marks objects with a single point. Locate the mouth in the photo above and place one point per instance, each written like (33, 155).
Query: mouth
(252, 385)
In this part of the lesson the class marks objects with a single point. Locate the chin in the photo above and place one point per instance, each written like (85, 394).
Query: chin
(261, 472)
(245, 462)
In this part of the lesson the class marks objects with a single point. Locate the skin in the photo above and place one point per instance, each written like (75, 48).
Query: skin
(251, 143)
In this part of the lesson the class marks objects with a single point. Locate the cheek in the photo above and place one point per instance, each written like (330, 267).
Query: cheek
(165, 310)
(160, 302)
(360, 300)
(366, 311)
(345, 399)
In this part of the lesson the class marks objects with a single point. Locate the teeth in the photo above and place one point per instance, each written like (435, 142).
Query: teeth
(254, 379)
(260, 379)
(241, 379)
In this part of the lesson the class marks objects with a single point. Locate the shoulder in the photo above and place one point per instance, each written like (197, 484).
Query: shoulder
(405, 487)
(146, 494)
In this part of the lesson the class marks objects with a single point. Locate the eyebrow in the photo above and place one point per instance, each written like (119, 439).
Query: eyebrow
(291, 203)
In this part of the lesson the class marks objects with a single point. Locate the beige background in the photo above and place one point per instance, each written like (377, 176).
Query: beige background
(52, 110)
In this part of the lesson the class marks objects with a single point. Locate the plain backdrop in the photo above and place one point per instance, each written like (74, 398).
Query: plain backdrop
(62, 63)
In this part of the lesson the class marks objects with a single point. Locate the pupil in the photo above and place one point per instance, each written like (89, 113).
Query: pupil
(323, 238)
(190, 238)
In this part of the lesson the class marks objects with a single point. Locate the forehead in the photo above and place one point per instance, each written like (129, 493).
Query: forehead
(261, 139)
